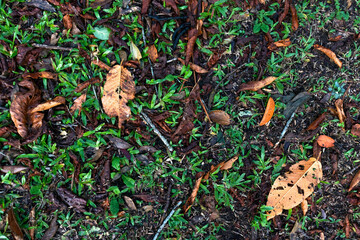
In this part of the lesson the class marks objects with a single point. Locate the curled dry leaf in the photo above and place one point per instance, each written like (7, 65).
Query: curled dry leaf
(280, 43)
(114, 103)
(329, 53)
(194, 67)
(14, 226)
(83, 85)
(50, 233)
(256, 85)
(355, 181)
(194, 192)
(304, 207)
(130, 203)
(347, 227)
(220, 117)
(325, 141)
(269, 111)
(355, 130)
(136, 54)
(340, 110)
(153, 53)
(294, 18)
(101, 64)
(37, 75)
(67, 22)
(315, 124)
(193, 34)
(13, 169)
(49, 104)
(78, 103)
(223, 166)
(292, 188)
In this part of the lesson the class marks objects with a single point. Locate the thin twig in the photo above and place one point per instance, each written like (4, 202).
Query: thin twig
(167, 202)
(285, 128)
(166, 220)
(52, 47)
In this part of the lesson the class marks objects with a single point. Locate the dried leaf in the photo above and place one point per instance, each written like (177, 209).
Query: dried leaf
(67, 22)
(194, 67)
(71, 199)
(193, 34)
(220, 117)
(229, 163)
(172, 4)
(294, 18)
(145, 6)
(269, 111)
(256, 85)
(14, 226)
(101, 64)
(347, 227)
(325, 141)
(192, 197)
(340, 110)
(304, 207)
(13, 169)
(32, 223)
(49, 104)
(290, 189)
(329, 53)
(315, 124)
(114, 103)
(355, 181)
(136, 54)
(355, 130)
(280, 43)
(37, 75)
(153, 53)
(89, 82)
(130, 203)
(78, 103)
(50, 233)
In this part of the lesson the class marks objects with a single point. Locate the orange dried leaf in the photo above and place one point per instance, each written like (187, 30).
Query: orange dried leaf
(193, 34)
(49, 104)
(315, 124)
(325, 141)
(256, 85)
(153, 53)
(329, 53)
(67, 22)
(280, 43)
(14, 226)
(220, 117)
(192, 197)
(340, 110)
(304, 207)
(101, 64)
(114, 103)
(355, 130)
(294, 18)
(269, 111)
(294, 187)
(37, 75)
(78, 103)
(229, 163)
(354, 181)
(194, 67)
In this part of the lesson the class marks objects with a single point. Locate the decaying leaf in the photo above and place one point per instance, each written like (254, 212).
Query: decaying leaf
(32, 223)
(71, 199)
(256, 85)
(340, 110)
(329, 53)
(355, 181)
(130, 203)
(194, 67)
(13, 169)
(294, 18)
(192, 197)
(355, 130)
(280, 43)
(37, 75)
(49, 104)
(292, 188)
(114, 103)
(315, 124)
(14, 226)
(50, 233)
(136, 54)
(78, 103)
(220, 117)
(153, 53)
(304, 207)
(67, 22)
(145, 6)
(101, 64)
(325, 141)
(269, 111)
(193, 34)
(223, 166)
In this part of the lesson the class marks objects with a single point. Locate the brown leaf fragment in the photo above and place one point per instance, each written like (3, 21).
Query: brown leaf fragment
(67, 22)
(194, 67)
(304, 206)
(114, 103)
(256, 85)
(49, 104)
(37, 75)
(194, 192)
(130, 203)
(193, 34)
(220, 117)
(329, 53)
(78, 103)
(229, 163)
(14, 226)
(347, 227)
(172, 4)
(105, 175)
(269, 112)
(136, 54)
(316, 150)
(340, 110)
(325, 141)
(153, 53)
(50, 233)
(354, 181)
(145, 6)
(284, 13)
(13, 169)
(101, 64)
(87, 83)
(294, 18)
(71, 199)
(292, 188)
(281, 43)
(315, 124)
(32, 223)
(355, 130)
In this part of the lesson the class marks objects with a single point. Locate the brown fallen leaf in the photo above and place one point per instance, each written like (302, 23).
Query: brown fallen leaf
(114, 103)
(71, 199)
(269, 111)
(292, 188)
(78, 103)
(49, 104)
(37, 75)
(194, 67)
(325, 141)
(13, 169)
(136, 54)
(329, 53)
(304, 207)
(145, 6)
(194, 192)
(83, 85)
(347, 227)
(223, 166)
(130, 203)
(193, 34)
(101, 64)
(14, 226)
(315, 124)
(220, 117)
(340, 110)
(354, 181)
(355, 130)
(281, 43)
(67, 22)
(51, 231)
(153, 53)
(256, 85)
(32, 223)
(294, 18)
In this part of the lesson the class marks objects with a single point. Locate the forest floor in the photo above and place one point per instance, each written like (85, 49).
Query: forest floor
(118, 117)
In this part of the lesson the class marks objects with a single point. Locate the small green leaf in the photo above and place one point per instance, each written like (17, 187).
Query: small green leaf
(128, 181)
(114, 206)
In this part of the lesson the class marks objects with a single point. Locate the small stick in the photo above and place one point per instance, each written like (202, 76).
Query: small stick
(206, 112)
(166, 220)
(52, 47)
(285, 129)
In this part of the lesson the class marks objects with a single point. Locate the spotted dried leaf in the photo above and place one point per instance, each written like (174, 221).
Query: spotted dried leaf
(292, 188)
(269, 112)
(114, 103)
(153, 53)
(325, 141)
(256, 85)
(220, 117)
(78, 103)
(329, 53)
